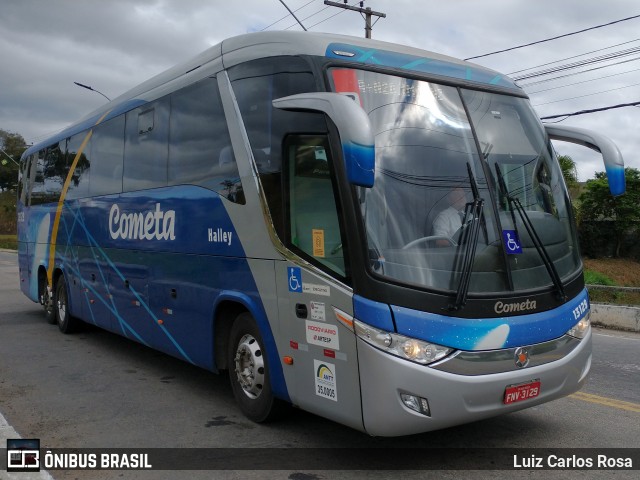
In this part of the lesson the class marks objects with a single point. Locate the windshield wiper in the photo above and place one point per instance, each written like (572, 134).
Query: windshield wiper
(469, 241)
(526, 221)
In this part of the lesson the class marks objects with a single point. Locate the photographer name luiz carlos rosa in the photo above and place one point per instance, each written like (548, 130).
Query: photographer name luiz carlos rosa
(574, 461)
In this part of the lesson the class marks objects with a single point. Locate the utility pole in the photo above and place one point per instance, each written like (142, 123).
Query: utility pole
(368, 13)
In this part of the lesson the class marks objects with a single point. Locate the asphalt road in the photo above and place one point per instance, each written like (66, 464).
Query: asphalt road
(94, 389)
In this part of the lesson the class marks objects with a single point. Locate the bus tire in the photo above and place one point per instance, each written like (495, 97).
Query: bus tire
(249, 371)
(47, 303)
(49, 311)
(66, 323)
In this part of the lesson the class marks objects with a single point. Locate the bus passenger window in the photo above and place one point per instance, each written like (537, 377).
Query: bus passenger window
(107, 151)
(200, 150)
(313, 215)
(145, 152)
(79, 184)
(51, 171)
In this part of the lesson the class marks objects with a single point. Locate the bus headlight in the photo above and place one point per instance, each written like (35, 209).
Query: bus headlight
(580, 329)
(412, 349)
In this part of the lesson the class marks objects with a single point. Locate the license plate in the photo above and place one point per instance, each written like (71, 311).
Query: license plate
(524, 391)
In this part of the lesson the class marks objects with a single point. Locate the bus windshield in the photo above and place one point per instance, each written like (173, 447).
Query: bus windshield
(440, 152)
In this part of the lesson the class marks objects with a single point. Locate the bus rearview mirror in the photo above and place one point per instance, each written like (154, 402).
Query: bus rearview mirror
(356, 134)
(613, 162)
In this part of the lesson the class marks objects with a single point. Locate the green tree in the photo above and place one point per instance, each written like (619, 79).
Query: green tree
(13, 145)
(622, 213)
(569, 170)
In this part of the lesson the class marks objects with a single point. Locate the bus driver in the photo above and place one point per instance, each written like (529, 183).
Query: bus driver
(449, 221)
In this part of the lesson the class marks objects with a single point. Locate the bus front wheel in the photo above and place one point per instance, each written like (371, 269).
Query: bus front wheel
(249, 371)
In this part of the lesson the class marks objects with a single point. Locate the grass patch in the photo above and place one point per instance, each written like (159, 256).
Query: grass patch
(614, 272)
(614, 297)
(9, 241)
(591, 277)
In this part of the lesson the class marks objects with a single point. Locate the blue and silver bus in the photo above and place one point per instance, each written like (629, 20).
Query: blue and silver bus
(374, 233)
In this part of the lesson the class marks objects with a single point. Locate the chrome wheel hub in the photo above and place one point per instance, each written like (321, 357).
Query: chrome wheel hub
(62, 306)
(249, 366)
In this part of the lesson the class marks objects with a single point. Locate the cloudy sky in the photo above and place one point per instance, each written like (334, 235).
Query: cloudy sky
(113, 45)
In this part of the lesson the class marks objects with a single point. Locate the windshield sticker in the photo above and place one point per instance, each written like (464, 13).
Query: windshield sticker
(325, 375)
(511, 242)
(323, 335)
(318, 242)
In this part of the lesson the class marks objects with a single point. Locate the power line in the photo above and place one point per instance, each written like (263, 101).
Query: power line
(574, 56)
(308, 17)
(554, 38)
(580, 63)
(321, 21)
(293, 15)
(287, 16)
(367, 13)
(587, 95)
(584, 81)
(593, 110)
(576, 73)
(328, 18)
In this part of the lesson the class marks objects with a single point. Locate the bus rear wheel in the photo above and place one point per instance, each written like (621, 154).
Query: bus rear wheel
(66, 323)
(249, 371)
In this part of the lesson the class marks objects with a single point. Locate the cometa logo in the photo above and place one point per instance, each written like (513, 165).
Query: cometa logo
(150, 225)
(500, 307)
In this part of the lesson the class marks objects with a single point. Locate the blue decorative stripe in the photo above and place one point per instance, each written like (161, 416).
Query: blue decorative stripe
(373, 313)
(413, 63)
(490, 333)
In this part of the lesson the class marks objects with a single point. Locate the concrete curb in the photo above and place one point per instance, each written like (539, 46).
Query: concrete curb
(616, 316)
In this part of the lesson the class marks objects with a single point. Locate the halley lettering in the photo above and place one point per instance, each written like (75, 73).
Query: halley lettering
(219, 236)
(151, 225)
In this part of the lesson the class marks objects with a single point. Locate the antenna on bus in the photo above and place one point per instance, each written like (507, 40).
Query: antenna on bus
(293, 15)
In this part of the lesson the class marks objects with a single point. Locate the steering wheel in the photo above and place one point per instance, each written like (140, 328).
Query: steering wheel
(420, 240)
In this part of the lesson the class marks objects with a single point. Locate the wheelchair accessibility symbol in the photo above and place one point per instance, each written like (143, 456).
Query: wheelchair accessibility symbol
(511, 242)
(295, 279)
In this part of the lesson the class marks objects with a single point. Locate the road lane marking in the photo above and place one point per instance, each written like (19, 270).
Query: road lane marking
(609, 402)
(618, 336)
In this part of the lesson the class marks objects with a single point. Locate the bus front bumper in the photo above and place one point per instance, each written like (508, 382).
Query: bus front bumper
(454, 398)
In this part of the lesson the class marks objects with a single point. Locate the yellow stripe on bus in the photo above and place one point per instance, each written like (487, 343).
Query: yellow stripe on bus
(609, 402)
(63, 195)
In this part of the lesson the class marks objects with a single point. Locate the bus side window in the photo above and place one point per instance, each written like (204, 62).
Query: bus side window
(50, 174)
(79, 184)
(107, 152)
(314, 226)
(145, 152)
(256, 84)
(23, 179)
(200, 150)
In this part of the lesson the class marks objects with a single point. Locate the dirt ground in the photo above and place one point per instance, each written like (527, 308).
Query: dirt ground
(623, 271)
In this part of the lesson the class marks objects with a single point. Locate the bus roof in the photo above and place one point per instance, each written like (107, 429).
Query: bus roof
(251, 46)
